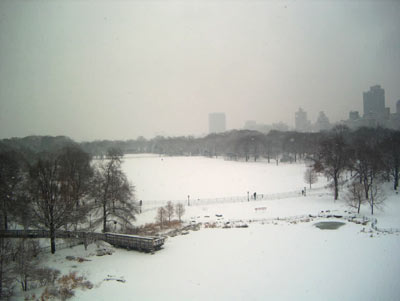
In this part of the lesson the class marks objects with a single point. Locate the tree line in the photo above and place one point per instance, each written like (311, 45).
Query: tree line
(61, 189)
(362, 159)
(64, 189)
(369, 155)
(235, 145)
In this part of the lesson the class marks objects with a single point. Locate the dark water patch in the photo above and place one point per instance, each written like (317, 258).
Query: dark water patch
(329, 225)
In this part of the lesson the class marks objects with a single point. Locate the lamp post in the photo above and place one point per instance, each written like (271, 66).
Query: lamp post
(188, 200)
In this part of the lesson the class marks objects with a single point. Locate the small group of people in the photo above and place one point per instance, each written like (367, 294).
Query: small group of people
(254, 196)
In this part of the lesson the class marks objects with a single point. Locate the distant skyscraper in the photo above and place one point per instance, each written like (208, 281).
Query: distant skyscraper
(374, 103)
(353, 115)
(216, 122)
(251, 125)
(398, 107)
(375, 112)
(322, 123)
(302, 124)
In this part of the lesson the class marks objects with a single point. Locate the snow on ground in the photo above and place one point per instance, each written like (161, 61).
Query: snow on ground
(174, 178)
(253, 209)
(275, 260)
(262, 262)
(272, 259)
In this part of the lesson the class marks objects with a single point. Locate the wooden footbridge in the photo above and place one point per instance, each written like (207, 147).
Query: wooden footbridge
(131, 242)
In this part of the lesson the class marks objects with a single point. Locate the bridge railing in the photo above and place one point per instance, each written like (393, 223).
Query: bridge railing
(142, 243)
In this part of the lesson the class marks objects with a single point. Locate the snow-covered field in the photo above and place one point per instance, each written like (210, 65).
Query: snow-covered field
(174, 178)
(281, 255)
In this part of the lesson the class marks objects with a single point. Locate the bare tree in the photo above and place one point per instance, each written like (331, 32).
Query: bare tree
(391, 147)
(310, 176)
(368, 158)
(376, 197)
(27, 251)
(112, 192)
(333, 156)
(10, 177)
(161, 216)
(77, 173)
(6, 274)
(51, 209)
(169, 208)
(179, 210)
(57, 184)
(355, 195)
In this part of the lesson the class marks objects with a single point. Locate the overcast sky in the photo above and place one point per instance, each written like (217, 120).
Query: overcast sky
(118, 70)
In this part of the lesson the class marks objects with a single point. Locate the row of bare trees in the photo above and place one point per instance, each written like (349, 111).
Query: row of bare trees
(366, 157)
(236, 145)
(166, 213)
(61, 190)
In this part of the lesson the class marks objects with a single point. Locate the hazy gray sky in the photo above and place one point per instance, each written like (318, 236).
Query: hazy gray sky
(117, 70)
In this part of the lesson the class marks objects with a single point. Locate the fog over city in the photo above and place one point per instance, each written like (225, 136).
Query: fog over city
(122, 69)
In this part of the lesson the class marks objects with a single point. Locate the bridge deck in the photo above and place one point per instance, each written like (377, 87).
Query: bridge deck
(134, 242)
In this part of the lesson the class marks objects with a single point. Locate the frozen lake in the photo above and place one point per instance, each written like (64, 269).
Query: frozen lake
(174, 178)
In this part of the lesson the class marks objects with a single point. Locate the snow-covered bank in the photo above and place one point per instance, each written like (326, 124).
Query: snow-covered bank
(279, 262)
(279, 259)
(281, 255)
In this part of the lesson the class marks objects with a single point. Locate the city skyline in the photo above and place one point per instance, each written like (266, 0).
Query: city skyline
(217, 121)
(119, 70)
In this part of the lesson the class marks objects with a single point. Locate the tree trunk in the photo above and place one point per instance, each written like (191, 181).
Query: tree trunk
(366, 188)
(396, 177)
(52, 239)
(5, 220)
(335, 179)
(372, 206)
(104, 218)
(1, 268)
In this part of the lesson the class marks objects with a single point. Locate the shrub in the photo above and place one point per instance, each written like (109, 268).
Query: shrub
(72, 281)
(46, 276)
(66, 286)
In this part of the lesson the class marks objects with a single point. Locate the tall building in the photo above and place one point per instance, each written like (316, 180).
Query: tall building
(216, 122)
(265, 128)
(322, 123)
(374, 103)
(354, 115)
(375, 112)
(398, 107)
(251, 125)
(301, 122)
